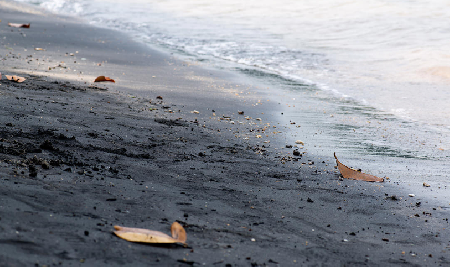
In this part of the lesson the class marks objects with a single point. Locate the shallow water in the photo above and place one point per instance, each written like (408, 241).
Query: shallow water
(366, 77)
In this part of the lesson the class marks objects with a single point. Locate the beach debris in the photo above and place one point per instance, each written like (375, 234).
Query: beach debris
(349, 173)
(19, 25)
(195, 112)
(149, 236)
(299, 142)
(39, 49)
(258, 119)
(426, 185)
(393, 197)
(241, 112)
(411, 195)
(104, 79)
(15, 78)
(159, 97)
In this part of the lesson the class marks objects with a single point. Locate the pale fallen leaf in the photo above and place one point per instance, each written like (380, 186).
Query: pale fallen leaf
(104, 79)
(299, 142)
(349, 173)
(149, 236)
(19, 25)
(15, 78)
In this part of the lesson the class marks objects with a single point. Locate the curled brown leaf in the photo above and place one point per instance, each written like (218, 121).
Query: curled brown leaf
(104, 79)
(349, 173)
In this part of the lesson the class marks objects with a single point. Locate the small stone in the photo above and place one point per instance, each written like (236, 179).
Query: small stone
(411, 195)
(45, 165)
(299, 142)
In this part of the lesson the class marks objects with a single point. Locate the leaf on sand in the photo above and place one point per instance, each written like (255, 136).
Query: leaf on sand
(19, 25)
(149, 236)
(349, 173)
(104, 79)
(15, 78)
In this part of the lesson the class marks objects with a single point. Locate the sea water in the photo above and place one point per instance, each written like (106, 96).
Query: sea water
(366, 78)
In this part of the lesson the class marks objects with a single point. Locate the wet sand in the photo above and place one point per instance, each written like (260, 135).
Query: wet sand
(78, 158)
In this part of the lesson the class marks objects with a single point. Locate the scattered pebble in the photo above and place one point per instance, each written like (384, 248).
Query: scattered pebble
(411, 195)
(426, 185)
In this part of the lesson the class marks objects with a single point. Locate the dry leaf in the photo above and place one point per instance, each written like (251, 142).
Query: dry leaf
(349, 173)
(19, 25)
(104, 79)
(149, 236)
(15, 78)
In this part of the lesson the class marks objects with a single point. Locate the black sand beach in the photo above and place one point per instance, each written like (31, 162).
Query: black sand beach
(78, 158)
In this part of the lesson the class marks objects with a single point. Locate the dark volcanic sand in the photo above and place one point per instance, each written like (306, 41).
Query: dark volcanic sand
(78, 159)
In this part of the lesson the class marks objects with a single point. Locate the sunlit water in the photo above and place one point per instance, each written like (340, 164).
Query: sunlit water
(371, 77)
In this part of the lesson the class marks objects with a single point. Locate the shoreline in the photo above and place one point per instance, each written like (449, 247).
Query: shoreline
(92, 158)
